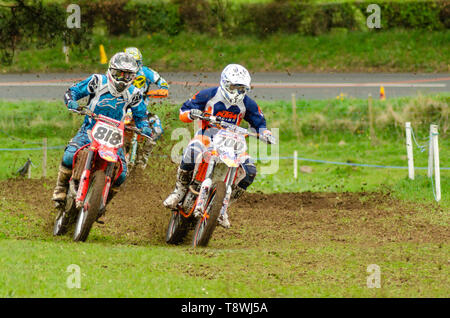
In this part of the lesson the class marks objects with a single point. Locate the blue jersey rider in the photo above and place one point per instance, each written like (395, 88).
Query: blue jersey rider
(230, 102)
(146, 77)
(110, 95)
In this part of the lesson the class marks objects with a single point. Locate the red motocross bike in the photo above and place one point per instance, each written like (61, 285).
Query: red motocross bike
(96, 166)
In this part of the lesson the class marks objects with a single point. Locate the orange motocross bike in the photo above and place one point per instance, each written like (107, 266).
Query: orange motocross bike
(96, 166)
(210, 188)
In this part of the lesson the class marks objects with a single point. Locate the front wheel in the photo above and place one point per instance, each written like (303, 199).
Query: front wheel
(91, 206)
(65, 217)
(207, 223)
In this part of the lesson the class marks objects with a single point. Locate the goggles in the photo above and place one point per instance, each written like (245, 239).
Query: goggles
(122, 76)
(241, 89)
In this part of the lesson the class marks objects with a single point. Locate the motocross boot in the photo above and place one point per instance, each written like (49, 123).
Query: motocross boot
(62, 185)
(236, 193)
(143, 153)
(181, 186)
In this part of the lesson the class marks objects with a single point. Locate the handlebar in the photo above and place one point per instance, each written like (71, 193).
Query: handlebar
(219, 122)
(86, 111)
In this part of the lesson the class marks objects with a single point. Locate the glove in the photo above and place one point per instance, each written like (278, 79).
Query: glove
(72, 105)
(158, 93)
(195, 114)
(147, 131)
(267, 136)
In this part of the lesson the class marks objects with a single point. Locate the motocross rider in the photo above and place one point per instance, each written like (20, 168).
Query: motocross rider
(144, 78)
(230, 102)
(110, 95)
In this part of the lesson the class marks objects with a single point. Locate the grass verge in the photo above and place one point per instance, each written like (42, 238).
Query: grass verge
(331, 130)
(387, 51)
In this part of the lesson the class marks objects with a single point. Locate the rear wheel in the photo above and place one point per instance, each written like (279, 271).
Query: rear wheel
(91, 206)
(207, 223)
(177, 229)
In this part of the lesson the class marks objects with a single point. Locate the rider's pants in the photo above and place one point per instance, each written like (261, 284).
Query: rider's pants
(81, 139)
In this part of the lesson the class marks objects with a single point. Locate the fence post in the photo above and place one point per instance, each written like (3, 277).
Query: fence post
(430, 153)
(409, 151)
(294, 114)
(371, 129)
(44, 158)
(437, 174)
(295, 165)
(66, 53)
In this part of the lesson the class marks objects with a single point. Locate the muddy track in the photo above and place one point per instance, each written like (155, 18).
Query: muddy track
(136, 215)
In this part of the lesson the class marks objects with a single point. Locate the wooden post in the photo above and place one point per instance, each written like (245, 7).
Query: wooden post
(294, 114)
(44, 158)
(66, 53)
(371, 129)
(295, 164)
(409, 151)
(29, 171)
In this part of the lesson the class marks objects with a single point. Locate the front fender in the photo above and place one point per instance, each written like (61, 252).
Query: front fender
(108, 155)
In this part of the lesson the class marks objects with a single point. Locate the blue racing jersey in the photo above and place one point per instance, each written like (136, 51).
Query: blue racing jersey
(102, 102)
(212, 101)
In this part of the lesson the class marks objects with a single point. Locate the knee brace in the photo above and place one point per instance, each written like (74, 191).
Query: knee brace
(250, 174)
(192, 151)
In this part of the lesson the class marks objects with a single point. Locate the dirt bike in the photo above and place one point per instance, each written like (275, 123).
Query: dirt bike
(96, 166)
(133, 139)
(210, 188)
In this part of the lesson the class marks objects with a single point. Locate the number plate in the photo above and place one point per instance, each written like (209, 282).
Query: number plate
(107, 135)
(226, 139)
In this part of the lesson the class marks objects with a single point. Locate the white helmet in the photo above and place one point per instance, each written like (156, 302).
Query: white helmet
(234, 83)
(121, 72)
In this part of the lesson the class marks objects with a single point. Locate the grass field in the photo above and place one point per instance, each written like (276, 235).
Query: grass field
(387, 51)
(314, 242)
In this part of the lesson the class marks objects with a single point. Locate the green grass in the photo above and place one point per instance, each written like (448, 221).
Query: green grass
(39, 269)
(34, 264)
(388, 51)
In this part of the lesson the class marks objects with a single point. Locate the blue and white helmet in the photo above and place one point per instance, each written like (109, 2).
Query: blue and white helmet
(121, 72)
(234, 83)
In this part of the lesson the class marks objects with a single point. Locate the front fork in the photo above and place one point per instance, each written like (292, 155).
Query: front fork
(206, 186)
(108, 175)
(229, 183)
(84, 180)
(204, 189)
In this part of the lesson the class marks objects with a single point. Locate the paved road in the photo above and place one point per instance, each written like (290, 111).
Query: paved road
(266, 86)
